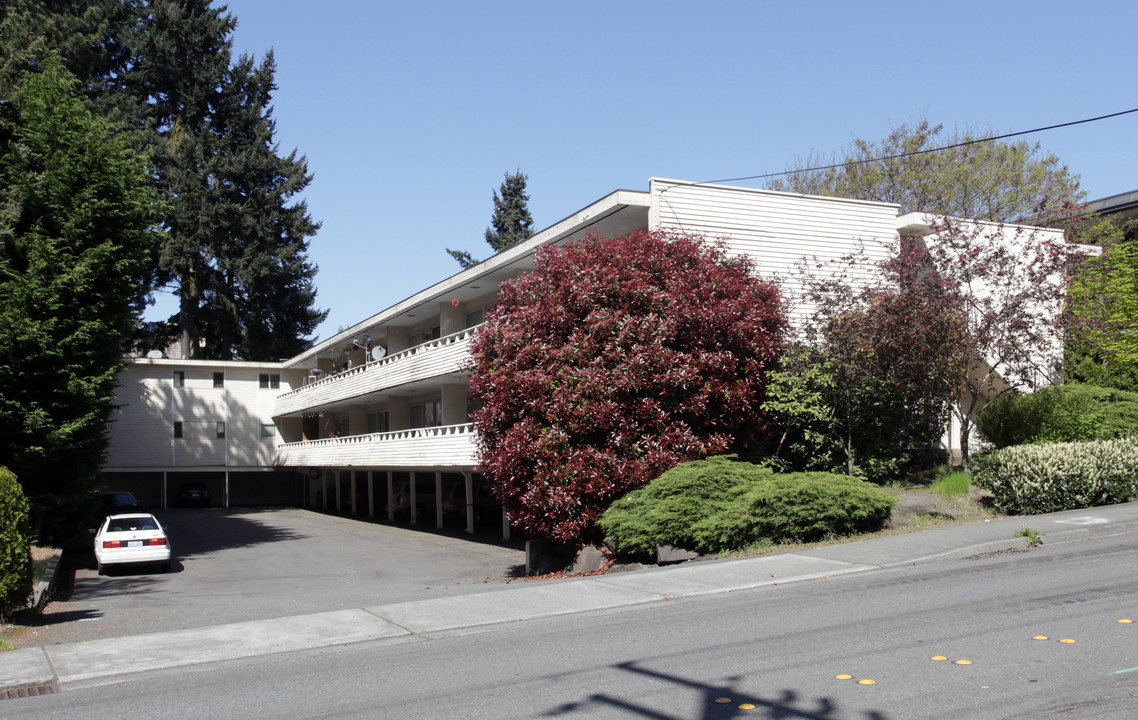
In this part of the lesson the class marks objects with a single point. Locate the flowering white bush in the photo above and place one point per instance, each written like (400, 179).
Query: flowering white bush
(1032, 479)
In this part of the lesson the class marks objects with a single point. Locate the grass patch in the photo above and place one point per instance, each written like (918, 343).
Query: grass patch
(41, 556)
(5, 645)
(954, 484)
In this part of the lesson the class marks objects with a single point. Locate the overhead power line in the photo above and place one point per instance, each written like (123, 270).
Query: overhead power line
(919, 152)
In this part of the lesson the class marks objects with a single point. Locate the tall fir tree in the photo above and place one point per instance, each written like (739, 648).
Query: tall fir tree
(236, 246)
(75, 232)
(267, 273)
(511, 222)
(163, 72)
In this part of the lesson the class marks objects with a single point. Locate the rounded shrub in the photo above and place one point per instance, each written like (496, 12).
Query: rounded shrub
(667, 510)
(797, 506)
(15, 545)
(1061, 413)
(721, 504)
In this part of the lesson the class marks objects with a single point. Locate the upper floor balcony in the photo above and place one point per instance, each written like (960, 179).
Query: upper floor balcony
(446, 447)
(437, 358)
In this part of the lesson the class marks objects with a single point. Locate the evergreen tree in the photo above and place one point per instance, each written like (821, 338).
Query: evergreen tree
(511, 222)
(265, 271)
(235, 248)
(75, 232)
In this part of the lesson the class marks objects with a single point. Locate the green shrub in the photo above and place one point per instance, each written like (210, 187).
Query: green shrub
(1063, 413)
(15, 545)
(720, 504)
(795, 506)
(1032, 479)
(666, 510)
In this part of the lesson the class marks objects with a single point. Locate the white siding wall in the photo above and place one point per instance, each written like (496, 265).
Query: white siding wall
(142, 433)
(777, 230)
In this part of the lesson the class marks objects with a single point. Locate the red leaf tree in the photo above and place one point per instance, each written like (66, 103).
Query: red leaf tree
(612, 362)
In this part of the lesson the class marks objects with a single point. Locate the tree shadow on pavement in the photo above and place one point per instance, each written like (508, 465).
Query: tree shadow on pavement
(194, 533)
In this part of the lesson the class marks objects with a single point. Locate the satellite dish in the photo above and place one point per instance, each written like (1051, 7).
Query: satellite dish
(154, 354)
(378, 352)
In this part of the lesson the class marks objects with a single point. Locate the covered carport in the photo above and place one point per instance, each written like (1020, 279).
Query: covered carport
(430, 494)
(227, 488)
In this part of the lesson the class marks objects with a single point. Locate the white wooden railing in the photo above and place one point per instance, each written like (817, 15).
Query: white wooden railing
(449, 446)
(439, 357)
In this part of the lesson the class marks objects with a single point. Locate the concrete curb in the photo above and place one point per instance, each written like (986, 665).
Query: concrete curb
(99, 661)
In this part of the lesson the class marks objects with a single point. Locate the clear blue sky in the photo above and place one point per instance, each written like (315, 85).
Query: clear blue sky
(410, 112)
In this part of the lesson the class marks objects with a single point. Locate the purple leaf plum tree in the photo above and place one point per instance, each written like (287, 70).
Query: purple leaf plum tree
(614, 360)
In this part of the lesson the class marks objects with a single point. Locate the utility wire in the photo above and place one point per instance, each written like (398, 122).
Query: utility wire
(918, 152)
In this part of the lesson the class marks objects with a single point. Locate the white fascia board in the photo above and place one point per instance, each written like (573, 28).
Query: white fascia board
(916, 224)
(920, 224)
(660, 185)
(218, 364)
(574, 223)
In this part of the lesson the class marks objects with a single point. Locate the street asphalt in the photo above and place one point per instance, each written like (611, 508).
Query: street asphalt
(99, 661)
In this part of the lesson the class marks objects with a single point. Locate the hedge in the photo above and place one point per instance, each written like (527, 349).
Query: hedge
(1033, 479)
(15, 545)
(1062, 413)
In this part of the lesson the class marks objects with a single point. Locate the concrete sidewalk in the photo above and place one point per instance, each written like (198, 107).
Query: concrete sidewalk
(85, 663)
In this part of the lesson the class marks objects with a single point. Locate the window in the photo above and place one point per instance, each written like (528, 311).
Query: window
(179, 378)
(219, 379)
(268, 431)
(428, 414)
(418, 338)
(177, 428)
(221, 428)
(378, 422)
(475, 317)
(270, 381)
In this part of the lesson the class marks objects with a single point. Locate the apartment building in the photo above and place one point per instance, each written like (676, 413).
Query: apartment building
(375, 420)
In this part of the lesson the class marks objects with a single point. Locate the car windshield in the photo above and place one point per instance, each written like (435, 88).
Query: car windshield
(128, 524)
(119, 498)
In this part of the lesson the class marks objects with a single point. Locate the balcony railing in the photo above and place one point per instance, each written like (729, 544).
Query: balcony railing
(449, 446)
(443, 356)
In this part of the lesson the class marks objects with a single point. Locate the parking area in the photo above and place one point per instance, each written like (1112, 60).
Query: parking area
(248, 564)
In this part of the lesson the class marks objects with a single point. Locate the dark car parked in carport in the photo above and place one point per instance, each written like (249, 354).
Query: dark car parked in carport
(193, 495)
(113, 503)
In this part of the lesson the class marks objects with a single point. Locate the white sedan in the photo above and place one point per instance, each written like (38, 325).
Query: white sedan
(131, 538)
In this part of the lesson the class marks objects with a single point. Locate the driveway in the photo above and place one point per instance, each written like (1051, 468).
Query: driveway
(248, 564)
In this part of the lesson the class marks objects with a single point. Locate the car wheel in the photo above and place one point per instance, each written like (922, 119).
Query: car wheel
(102, 570)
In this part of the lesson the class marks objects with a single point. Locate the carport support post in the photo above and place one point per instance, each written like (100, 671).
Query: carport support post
(323, 489)
(438, 500)
(352, 488)
(370, 494)
(469, 482)
(414, 509)
(226, 489)
(165, 499)
(390, 495)
(339, 480)
(505, 527)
